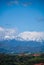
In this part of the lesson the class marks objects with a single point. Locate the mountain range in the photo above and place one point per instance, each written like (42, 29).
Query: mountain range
(25, 42)
(17, 46)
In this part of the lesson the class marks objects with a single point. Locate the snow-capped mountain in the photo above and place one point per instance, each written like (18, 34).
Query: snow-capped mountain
(27, 36)
(11, 42)
(6, 34)
(31, 36)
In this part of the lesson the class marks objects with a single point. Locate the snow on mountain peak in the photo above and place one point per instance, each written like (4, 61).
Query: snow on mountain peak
(24, 36)
(31, 36)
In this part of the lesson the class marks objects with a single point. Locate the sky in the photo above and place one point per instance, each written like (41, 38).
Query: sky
(24, 15)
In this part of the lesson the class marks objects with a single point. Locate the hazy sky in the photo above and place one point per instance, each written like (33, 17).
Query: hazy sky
(25, 15)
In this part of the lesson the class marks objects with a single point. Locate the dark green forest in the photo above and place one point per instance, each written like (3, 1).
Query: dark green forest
(20, 59)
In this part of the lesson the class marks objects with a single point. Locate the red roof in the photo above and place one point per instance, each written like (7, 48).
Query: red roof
(36, 55)
(39, 64)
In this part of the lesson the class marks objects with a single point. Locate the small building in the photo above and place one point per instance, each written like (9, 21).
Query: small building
(36, 55)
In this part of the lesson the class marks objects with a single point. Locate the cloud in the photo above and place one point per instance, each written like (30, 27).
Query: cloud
(13, 2)
(1, 29)
(7, 33)
(26, 3)
(40, 19)
(16, 2)
(12, 33)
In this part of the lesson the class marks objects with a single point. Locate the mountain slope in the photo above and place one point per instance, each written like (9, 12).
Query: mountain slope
(15, 46)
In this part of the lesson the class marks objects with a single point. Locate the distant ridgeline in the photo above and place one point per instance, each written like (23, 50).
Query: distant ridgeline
(16, 46)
